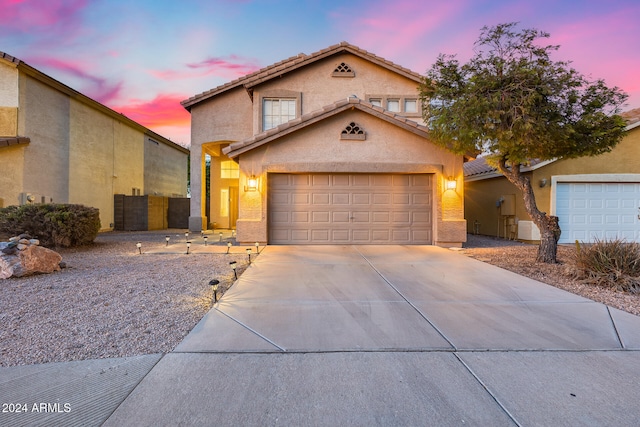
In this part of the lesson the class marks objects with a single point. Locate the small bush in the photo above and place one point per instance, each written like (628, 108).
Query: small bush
(55, 225)
(610, 263)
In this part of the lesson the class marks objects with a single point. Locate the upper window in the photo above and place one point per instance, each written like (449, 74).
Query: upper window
(277, 111)
(410, 105)
(405, 105)
(229, 169)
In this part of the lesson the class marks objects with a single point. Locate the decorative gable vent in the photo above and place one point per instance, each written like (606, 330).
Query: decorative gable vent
(343, 70)
(353, 131)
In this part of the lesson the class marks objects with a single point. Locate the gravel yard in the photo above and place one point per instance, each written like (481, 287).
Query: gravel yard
(111, 301)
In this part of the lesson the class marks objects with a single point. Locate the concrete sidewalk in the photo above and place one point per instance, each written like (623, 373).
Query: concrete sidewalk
(371, 335)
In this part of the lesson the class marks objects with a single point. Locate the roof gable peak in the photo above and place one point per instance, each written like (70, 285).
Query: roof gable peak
(293, 63)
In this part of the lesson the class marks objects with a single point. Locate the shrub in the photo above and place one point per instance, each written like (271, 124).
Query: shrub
(610, 263)
(53, 224)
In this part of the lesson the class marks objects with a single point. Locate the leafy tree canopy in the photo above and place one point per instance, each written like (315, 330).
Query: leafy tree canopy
(512, 100)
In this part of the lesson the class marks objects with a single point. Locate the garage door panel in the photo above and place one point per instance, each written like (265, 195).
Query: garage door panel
(341, 236)
(350, 208)
(340, 199)
(362, 181)
(319, 217)
(361, 198)
(300, 199)
(340, 180)
(320, 198)
(598, 210)
(379, 217)
(300, 217)
(401, 199)
(381, 198)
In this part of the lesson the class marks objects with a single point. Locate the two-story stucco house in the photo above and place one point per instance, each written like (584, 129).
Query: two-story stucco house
(58, 145)
(326, 148)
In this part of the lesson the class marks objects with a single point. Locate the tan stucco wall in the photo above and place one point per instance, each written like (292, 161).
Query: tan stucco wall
(318, 148)
(80, 154)
(44, 117)
(320, 89)
(165, 170)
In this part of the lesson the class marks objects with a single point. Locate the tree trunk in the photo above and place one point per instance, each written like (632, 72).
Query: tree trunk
(548, 225)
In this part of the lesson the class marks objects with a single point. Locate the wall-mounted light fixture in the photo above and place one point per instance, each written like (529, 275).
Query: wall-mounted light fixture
(252, 184)
(452, 184)
(542, 182)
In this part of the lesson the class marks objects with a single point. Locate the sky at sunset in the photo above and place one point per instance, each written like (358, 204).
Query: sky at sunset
(142, 57)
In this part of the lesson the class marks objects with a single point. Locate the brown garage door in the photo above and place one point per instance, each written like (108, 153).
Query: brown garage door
(350, 208)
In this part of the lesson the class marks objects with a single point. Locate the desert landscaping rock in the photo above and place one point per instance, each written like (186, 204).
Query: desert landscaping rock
(25, 258)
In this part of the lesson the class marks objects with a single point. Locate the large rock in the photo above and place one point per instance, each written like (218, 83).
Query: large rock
(29, 259)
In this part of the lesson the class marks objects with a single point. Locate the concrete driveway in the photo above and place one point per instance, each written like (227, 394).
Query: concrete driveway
(363, 335)
(394, 335)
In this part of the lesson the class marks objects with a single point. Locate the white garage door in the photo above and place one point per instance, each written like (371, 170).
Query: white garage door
(350, 209)
(604, 210)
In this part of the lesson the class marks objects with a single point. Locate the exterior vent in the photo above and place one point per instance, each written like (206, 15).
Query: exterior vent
(353, 131)
(343, 70)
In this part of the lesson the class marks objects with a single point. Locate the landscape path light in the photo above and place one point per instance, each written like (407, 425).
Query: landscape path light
(257, 247)
(220, 237)
(234, 265)
(205, 240)
(139, 246)
(214, 285)
(249, 254)
(188, 246)
(228, 247)
(186, 235)
(167, 238)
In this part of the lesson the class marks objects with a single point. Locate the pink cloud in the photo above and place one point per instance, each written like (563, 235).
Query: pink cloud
(41, 15)
(230, 67)
(97, 88)
(391, 29)
(162, 111)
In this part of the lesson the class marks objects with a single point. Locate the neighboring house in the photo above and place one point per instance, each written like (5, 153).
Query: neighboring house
(593, 197)
(57, 145)
(325, 148)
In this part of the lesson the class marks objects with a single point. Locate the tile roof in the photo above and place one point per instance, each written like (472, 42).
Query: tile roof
(255, 141)
(293, 63)
(631, 116)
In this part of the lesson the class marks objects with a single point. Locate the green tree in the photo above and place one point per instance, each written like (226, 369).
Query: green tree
(513, 102)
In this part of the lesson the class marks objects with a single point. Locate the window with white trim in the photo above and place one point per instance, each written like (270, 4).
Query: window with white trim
(276, 111)
(376, 101)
